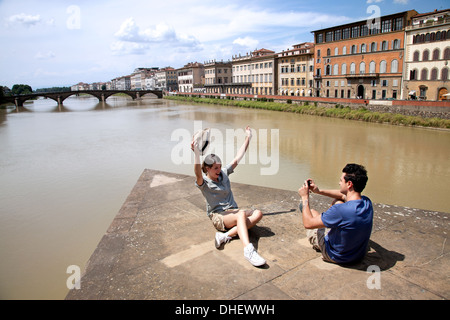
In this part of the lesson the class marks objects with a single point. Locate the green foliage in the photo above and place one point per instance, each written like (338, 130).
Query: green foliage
(361, 114)
(21, 89)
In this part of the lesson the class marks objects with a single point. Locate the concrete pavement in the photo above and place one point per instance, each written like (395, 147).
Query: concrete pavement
(161, 246)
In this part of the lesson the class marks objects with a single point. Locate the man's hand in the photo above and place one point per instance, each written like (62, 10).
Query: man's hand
(304, 190)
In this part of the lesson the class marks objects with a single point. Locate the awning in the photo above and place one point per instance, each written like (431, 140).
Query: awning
(412, 92)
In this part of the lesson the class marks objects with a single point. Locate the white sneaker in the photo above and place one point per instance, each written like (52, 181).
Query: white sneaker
(221, 238)
(252, 256)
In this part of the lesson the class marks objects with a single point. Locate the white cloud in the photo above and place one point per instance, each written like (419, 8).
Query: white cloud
(25, 19)
(45, 56)
(134, 40)
(246, 42)
(401, 1)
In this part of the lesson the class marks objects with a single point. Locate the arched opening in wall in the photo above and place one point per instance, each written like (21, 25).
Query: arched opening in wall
(361, 91)
(442, 94)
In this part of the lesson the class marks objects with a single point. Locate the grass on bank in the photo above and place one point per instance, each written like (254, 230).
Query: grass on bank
(361, 114)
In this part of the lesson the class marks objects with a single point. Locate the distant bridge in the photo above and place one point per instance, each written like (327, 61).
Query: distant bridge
(59, 97)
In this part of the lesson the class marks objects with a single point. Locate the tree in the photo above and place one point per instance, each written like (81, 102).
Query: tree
(21, 89)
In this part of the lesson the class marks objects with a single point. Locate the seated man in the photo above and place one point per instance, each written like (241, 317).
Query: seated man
(349, 218)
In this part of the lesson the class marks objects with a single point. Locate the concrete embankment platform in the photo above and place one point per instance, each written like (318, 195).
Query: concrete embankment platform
(161, 246)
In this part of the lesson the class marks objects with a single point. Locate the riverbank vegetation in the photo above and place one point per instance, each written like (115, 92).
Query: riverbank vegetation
(339, 111)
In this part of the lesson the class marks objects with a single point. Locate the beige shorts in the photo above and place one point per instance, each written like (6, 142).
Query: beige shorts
(316, 238)
(217, 218)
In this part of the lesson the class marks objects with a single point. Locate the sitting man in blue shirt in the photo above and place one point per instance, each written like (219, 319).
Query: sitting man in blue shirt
(349, 218)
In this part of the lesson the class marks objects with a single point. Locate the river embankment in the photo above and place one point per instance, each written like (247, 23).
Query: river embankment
(360, 113)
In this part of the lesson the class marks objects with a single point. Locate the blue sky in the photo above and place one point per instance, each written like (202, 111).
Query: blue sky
(60, 43)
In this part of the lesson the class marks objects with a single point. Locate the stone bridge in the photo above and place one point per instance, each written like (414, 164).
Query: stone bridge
(59, 97)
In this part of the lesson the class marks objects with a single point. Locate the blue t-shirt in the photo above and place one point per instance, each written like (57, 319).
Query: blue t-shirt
(351, 226)
(218, 194)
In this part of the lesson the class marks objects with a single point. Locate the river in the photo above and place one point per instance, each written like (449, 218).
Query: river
(65, 171)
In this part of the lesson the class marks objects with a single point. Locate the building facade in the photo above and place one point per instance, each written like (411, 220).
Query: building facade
(362, 59)
(166, 79)
(217, 76)
(296, 71)
(254, 73)
(427, 55)
(191, 77)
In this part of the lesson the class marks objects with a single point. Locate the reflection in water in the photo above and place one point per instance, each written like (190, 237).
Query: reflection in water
(66, 170)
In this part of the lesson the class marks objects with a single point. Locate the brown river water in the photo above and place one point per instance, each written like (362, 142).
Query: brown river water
(66, 171)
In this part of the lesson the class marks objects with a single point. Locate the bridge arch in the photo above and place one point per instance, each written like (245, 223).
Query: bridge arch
(101, 95)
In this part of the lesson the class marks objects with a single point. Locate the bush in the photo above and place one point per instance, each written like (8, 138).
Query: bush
(338, 111)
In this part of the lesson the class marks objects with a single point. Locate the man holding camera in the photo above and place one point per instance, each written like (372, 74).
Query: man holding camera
(349, 218)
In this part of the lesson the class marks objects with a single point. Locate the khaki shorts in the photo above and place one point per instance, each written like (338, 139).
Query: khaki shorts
(217, 218)
(317, 239)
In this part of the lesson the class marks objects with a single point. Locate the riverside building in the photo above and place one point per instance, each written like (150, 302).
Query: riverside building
(191, 77)
(218, 75)
(363, 59)
(296, 71)
(427, 55)
(254, 73)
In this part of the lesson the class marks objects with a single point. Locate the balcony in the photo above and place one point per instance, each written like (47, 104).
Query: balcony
(362, 75)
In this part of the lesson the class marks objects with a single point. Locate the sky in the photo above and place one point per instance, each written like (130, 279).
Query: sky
(60, 43)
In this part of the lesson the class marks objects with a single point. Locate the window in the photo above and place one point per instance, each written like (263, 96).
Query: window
(386, 26)
(398, 24)
(355, 32)
(336, 51)
(352, 68)
(384, 46)
(447, 54)
(337, 35)
(396, 44)
(329, 36)
(362, 68)
(383, 66)
(373, 47)
(413, 75)
(344, 69)
(372, 67)
(436, 54)
(336, 69)
(353, 49)
(444, 74)
(423, 91)
(394, 66)
(363, 48)
(434, 73)
(424, 74)
(346, 33)
(364, 30)
(344, 50)
(384, 83)
(416, 56)
(426, 55)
